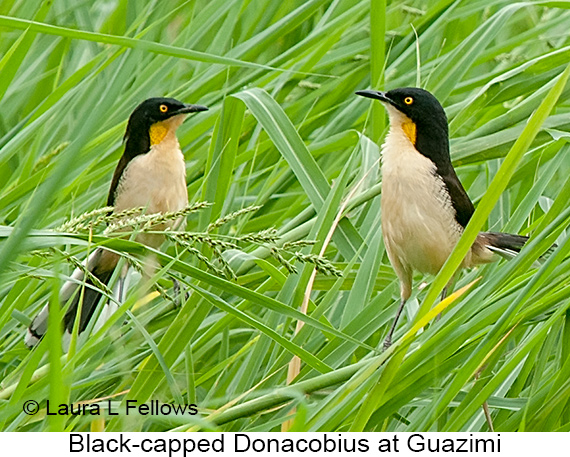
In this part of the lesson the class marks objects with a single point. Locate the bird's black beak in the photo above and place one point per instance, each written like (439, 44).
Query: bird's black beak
(191, 109)
(376, 95)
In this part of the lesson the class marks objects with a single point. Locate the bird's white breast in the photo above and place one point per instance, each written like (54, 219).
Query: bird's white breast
(155, 180)
(418, 219)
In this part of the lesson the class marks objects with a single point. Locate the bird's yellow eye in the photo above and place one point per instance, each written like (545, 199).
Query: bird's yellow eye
(408, 100)
(163, 108)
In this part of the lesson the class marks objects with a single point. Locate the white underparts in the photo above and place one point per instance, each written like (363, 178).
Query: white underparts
(418, 219)
(155, 181)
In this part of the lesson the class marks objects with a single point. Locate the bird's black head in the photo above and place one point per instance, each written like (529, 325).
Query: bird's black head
(420, 115)
(149, 123)
(156, 109)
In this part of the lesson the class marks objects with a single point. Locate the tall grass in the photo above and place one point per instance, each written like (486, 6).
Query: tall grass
(286, 134)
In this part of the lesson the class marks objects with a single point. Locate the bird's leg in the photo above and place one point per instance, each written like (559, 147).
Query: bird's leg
(448, 287)
(122, 288)
(179, 298)
(121, 291)
(444, 292)
(175, 286)
(486, 411)
(388, 340)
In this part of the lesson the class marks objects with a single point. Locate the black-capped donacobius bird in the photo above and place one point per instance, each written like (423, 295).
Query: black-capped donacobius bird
(424, 205)
(151, 174)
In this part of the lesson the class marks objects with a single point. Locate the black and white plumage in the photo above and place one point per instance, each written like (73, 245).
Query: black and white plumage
(424, 205)
(150, 174)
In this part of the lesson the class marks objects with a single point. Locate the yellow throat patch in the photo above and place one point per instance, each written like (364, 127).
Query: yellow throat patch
(157, 133)
(409, 128)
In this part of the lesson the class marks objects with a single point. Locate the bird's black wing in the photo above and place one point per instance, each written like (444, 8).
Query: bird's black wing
(136, 143)
(123, 162)
(459, 199)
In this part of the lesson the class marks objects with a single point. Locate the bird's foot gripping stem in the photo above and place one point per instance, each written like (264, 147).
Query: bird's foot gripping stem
(388, 340)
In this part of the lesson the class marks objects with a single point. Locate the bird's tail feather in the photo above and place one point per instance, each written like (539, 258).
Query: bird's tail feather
(100, 264)
(504, 244)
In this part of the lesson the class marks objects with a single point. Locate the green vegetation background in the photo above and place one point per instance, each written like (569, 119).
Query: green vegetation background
(286, 133)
